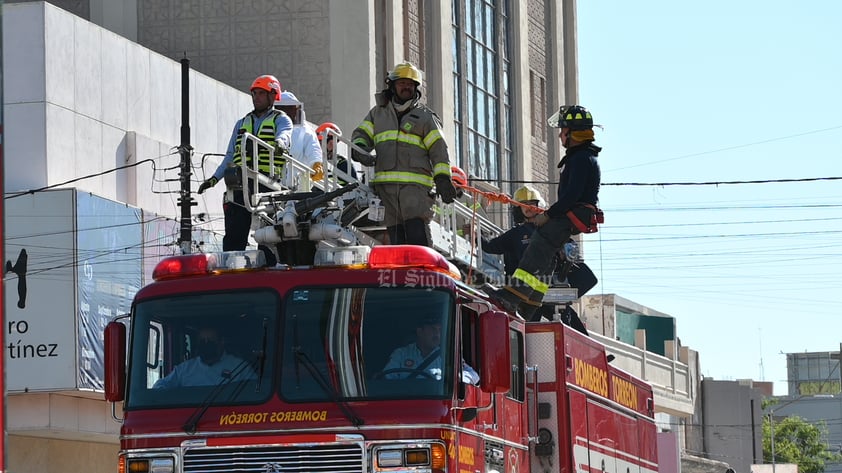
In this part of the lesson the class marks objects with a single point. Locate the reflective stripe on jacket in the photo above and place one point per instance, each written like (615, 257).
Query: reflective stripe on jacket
(265, 133)
(410, 150)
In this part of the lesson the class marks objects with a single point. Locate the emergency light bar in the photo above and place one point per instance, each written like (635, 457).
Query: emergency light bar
(206, 263)
(379, 257)
(353, 256)
(411, 256)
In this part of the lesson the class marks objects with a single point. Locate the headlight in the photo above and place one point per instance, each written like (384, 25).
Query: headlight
(390, 458)
(419, 455)
(162, 465)
(150, 465)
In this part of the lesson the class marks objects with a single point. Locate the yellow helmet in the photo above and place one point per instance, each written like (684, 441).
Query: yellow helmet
(526, 193)
(405, 70)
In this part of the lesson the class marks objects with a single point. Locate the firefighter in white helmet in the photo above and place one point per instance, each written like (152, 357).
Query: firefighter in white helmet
(305, 144)
(411, 156)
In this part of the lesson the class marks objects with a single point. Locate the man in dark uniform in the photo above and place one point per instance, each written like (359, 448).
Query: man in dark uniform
(573, 212)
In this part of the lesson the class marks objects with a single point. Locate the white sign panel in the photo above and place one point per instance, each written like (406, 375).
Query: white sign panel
(39, 293)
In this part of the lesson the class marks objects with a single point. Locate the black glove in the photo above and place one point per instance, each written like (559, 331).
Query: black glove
(365, 159)
(208, 184)
(445, 188)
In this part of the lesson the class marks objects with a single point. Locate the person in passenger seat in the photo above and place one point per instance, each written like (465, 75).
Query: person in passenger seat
(210, 364)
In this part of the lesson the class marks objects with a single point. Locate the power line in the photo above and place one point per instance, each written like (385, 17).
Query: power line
(721, 183)
(665, 184)
(731, 148)
(89, 176)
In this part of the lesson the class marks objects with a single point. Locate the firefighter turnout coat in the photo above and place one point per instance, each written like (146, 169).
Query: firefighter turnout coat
(411, 152)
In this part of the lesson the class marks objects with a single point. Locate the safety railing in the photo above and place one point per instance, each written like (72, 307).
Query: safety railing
(448, 227)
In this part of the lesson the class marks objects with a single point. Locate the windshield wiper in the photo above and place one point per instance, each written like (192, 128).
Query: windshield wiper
(302, 357)
(193, 421)
(261, 355)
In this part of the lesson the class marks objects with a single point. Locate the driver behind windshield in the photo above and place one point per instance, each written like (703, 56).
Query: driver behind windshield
(422, 358)
(210, 364)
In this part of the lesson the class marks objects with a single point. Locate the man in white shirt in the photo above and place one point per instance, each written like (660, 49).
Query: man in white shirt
(422, 358)
(209, 366)
(304, 146)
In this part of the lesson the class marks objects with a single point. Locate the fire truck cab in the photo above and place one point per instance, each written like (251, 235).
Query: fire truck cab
(366, 361)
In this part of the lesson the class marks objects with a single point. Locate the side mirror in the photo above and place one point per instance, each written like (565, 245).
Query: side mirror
(495, 365)
(115, 362)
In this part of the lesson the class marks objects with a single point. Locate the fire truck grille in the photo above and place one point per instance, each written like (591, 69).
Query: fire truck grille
(269, 459)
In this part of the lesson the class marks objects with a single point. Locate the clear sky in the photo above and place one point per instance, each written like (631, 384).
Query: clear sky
(721, 91)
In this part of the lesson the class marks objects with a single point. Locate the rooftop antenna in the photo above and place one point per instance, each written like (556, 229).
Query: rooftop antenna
(760, 343)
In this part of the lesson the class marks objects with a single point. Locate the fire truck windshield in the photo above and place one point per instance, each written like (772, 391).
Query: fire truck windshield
(190, 349)
(311, 344)
(367, 343)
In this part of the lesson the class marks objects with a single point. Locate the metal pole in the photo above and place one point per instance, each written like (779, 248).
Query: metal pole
(185, 198)
(772, 436)
(3, 240)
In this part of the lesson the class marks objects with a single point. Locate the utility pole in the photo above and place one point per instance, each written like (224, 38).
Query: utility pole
(772, 436)
(185, 199)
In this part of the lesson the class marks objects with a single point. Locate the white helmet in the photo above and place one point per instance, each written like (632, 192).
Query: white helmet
(288, 99)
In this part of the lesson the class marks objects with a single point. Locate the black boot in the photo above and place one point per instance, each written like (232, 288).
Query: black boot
(530, 311)
(417, 232)
(397, 235)
(507, 300)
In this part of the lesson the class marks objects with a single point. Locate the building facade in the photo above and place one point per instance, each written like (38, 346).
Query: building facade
(732, 423)
(92, 101)
(494, 70)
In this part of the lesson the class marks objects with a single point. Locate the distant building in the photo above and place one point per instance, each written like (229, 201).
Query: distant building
(823, 410)
(813, 385)
(732, 421)
(626, 321)
(813, 394)
(814, 372)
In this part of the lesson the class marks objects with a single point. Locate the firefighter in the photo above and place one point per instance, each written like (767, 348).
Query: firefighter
(270, 125)
(341, 162)
(305, 144)
(411, 155)
(514, 241)
(573, 212)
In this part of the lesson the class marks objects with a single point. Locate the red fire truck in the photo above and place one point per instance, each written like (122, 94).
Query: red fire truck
(368, 358)
(320, 368)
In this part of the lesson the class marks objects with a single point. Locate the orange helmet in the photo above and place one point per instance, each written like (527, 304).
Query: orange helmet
(268, 83)
(458, 176)
(321, 131)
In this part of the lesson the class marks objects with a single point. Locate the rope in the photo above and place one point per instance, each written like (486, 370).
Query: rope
(497, 197)
(492, 197)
